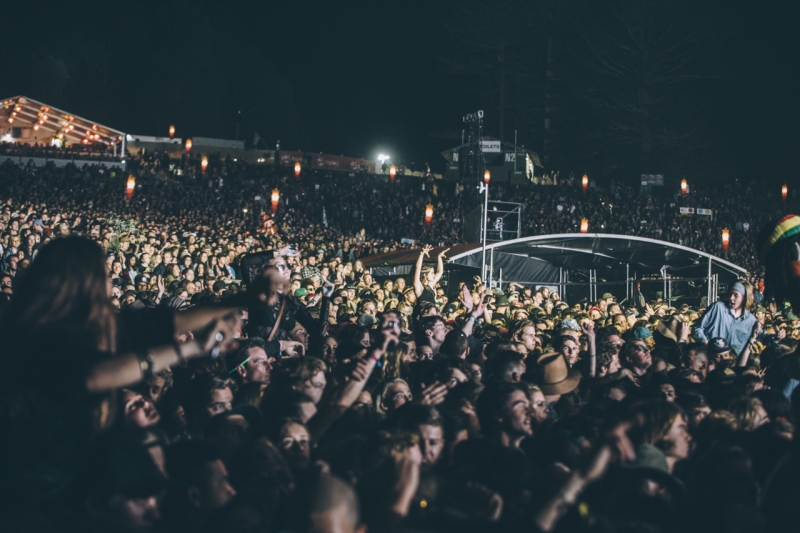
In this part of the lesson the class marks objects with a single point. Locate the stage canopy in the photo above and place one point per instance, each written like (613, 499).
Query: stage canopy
(588, 264)
(25, 120)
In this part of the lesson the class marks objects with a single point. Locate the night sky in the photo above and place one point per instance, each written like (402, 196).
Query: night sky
(357, 78)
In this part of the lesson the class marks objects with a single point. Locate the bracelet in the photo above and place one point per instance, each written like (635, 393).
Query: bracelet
(568, 498)
(146, 361)
(376, 355)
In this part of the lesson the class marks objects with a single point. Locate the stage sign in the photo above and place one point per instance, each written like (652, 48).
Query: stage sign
(491, 146)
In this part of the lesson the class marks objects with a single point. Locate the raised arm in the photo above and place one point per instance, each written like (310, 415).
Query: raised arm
(440, 265)
(418, 286)
(474, 312)
(347, 394)
(217, 337)
(588, 328)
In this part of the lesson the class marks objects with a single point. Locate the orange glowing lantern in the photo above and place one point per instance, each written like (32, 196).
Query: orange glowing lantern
(188, 145)
(428, 214)
(204, 164)
(276, 197)
(584, 225)
(129, 187)
(172, 132)
(684, 187)
(35, 127)
(784, 192)
(726, 239)
(487, 176)
(585, 182)
(297, 169)
(392, 172)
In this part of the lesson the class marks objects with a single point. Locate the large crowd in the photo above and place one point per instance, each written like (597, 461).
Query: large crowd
(189, 359)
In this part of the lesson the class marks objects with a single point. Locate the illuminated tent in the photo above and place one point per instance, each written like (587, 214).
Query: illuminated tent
(28, 121)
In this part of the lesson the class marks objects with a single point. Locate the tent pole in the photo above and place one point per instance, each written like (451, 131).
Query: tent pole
(628, 282)
(491, 266)
(669, 290)
(485, 230)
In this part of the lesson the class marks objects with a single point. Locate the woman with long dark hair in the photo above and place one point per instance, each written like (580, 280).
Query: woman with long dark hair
(68, 351)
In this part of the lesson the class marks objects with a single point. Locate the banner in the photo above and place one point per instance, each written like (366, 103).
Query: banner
(696, 211)
(491, 146)
(653, 179)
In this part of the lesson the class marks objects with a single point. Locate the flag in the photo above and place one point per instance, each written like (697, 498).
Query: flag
(256, 138)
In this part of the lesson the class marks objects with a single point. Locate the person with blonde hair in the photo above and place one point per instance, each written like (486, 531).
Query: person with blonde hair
(750, 413)
(730, 318)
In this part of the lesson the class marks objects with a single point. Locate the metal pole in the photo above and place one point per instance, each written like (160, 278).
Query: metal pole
(491, 266)
(561, 281)
(485, 230)
(709, 280)
(669, 289)
(716, 287)
(628, 282)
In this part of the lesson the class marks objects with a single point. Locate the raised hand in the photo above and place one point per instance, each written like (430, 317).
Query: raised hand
(221, 335)
(293, 348)
(433, 395)
(426, 250)
(466, 298)
(327, 289)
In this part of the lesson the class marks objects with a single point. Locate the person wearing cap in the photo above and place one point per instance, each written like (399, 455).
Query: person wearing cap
(635, 356)
(729, 319)
(720, 352)
(555, 377)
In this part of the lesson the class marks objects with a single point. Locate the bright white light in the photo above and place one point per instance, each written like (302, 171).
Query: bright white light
(383, 158)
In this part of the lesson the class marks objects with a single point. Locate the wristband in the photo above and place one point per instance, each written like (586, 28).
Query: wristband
(568, 498)
(376, 355)
(146, 361)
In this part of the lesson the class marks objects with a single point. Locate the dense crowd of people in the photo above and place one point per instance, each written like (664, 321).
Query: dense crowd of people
(186, 360)
(78, 151)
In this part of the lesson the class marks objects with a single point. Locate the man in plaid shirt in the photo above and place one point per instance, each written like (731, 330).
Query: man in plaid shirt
(310, 270)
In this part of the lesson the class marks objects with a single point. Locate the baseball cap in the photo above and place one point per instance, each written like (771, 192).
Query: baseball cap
(718, 345)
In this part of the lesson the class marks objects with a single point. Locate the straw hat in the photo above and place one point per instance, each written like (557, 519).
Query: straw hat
(554, 375)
